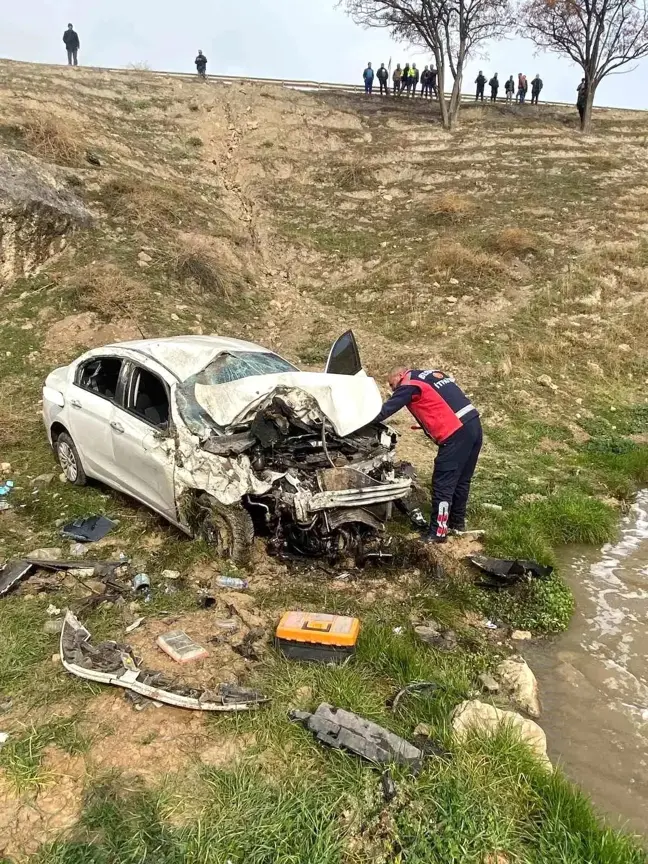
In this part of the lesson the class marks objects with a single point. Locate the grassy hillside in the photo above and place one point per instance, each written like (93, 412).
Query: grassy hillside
(512, 253)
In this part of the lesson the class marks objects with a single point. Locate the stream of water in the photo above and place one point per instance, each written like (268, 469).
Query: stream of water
(594, 678)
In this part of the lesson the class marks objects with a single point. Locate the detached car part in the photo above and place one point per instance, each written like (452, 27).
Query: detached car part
(344, 730)
(504, 572)
(114, 663)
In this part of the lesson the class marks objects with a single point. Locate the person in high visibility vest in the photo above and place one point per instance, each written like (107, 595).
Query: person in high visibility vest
(415, 76)
(448, 417)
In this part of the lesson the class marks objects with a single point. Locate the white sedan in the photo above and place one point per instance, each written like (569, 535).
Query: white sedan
(224, 437)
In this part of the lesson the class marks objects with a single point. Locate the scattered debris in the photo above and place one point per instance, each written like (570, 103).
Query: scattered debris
(344, 730)
(432, 634)
(248, 649)
(413, 687)
(4, 737)
(520, 635)
(15, 571)
(231, 582)
(53, 610)
(141, 583)
(6, 704)
(136, 623)
(78, 550)
(520, 683)
(422, 730)
(489, 683)
(43, 480)
(12, 573)
(170, 575)
(88, 530)
(181, 647)
(6, 488)
(504, 572)
(53, 626)
(229, 625)
(388, 786)
(480, 717)
(115, 663)
(317, 636)
(205, 599)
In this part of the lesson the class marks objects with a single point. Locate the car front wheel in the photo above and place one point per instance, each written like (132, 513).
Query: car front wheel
(68, 457)
(227, 528)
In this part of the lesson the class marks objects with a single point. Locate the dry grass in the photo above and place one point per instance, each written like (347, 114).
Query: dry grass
(514, 241)
(453, 260)
(194, 262)
(51, 139)
(104, 289)
(12, 427)
(145, 204)
(451, 207)
(352, 175)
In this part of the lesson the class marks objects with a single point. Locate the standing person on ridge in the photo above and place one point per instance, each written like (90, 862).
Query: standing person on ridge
(396, 78)
(509, 89)
(494, 85)
(448, 417)
(414, 72)
(72, 45)
(433, 81)
(368, 76)
(480, 81)
(405, 78)
(383, 78)
(201, 64)
(522, 88)
(581, 101)
(536, 87)
(425, 83)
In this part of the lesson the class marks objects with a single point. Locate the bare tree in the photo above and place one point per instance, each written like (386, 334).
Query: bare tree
(450, 29)
(600, 36)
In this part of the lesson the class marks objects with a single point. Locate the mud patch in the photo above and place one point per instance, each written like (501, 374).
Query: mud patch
(85, 330)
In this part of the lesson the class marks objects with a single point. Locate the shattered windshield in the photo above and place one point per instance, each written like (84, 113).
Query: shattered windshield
(242, 364)
(227, 367)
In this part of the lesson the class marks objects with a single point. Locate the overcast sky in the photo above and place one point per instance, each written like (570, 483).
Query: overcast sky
(306, 39)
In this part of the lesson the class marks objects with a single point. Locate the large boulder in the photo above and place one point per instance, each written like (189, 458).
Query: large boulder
(475, 716)
(519, 684)
(37, 214)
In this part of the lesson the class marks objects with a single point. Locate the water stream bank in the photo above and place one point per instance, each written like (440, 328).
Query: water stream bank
(594, 678)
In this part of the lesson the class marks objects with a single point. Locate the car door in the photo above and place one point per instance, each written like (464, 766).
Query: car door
(91, 402)
(344, 356)
(142, 440)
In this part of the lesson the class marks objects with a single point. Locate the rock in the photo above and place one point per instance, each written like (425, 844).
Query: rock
(43, 480)
(93, 159)
(475, 716)
(422, 731)
(56, 658)
(78, 550)
(522, 634)
(442, 640)
(53, 626)
(625, 348)
(5, 467)
(145, 257)
(546, 381)
(489, 683)
(520, 684)
(454, 281)
(36, 214)
(170, 574)
(50, 553)
(495, 507)
(303, 695)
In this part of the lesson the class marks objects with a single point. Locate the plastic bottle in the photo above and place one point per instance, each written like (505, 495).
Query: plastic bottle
(231, 582)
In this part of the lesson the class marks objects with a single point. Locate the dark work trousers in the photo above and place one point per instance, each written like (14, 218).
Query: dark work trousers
(368, 86)
(425, 91)
(383, 86)
(534, 98)
(454, 467)
(480, 93)
(73, 56)
(493, 94)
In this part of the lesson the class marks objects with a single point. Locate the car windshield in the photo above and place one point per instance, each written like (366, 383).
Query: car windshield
(225, 368)
(242, 364)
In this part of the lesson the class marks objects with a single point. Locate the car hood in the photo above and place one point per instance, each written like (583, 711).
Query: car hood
(349, 402)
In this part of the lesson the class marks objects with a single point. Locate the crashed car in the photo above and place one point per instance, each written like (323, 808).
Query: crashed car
(226, 439)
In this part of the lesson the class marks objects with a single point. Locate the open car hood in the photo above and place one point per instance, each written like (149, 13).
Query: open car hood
(349, 402)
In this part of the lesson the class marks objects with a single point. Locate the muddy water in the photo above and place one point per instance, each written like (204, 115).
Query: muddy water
(594, 678)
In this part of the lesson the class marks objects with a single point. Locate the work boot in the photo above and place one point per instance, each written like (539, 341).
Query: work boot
(434, 538)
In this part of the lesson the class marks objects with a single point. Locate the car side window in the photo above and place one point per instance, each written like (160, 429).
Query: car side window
(148, 398)
(99, 375)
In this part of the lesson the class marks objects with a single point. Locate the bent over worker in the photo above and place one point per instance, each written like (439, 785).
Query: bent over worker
(448, 417)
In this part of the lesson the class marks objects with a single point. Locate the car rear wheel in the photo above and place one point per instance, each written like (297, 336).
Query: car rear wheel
(227, 528)
(68, 457)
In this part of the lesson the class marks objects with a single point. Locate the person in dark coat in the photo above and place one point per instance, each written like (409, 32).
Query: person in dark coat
(581, 100)
(536, 87)
(383, 78)
(480, 81)
(433, 81)
(425, 83)
(201, 64)
(494, 85)
(72, 45)
(523, 86)
(368, 77)
(405, 79)
(509, 89)
(450, 420)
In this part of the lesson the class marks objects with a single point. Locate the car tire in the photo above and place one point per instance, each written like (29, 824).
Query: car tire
(69, 460)
(228, 529)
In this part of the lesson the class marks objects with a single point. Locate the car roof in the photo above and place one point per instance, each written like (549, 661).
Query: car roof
(186, 355)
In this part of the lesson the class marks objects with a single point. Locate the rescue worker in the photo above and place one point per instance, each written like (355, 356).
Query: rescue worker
(383, 78)
(536, 87)
(480, 81)
(425, 83)
(581, 100)
(494, 85)
(509, 89)
(396, 78)
(405, 78)
(201, 64)
(415, 76)
(72, 45)
(433, 81)
(368, 76)
(522, 88)
(448, 417)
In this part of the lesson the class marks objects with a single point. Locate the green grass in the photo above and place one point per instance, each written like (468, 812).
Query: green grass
(21, 757)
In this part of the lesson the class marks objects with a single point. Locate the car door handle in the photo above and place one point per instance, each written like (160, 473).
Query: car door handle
(117, 426)
(75, 403)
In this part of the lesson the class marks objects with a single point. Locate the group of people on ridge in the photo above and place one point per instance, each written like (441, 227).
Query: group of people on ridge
(405, 80)
(509, 88)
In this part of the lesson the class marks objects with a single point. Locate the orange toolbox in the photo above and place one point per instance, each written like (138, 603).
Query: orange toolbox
(317, 636)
